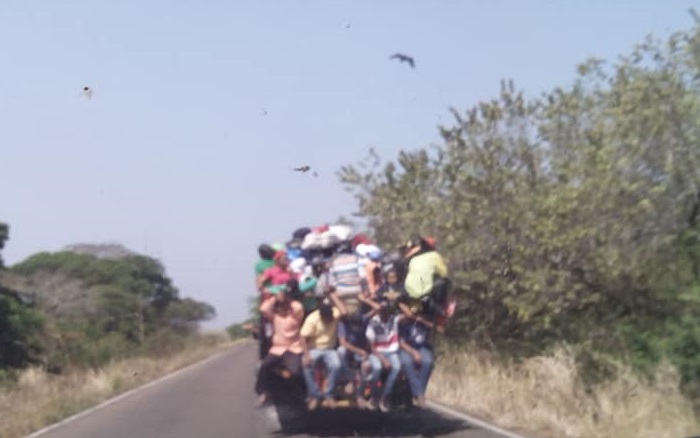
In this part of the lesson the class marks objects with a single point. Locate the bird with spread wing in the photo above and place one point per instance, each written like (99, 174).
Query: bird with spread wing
(305, 169)
(404, 58)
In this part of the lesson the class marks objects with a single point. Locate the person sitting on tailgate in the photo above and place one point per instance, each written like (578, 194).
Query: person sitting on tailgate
(347, 277)
(354, 350)
(264, 329)
(319, 338)
(417, 355)
(383, 336)
(286, 317)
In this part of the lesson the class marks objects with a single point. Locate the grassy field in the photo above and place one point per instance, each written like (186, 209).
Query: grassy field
(546, 396)
(39, 399)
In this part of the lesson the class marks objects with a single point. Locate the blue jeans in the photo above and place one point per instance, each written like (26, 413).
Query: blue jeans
(332, 361)
(418, 379)
(377, 372)
(348, 372)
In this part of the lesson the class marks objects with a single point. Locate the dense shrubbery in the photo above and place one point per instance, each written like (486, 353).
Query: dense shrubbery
(90, 310)
(570, 217)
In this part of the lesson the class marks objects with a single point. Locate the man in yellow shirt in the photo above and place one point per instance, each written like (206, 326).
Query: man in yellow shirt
(426, 278)
(319, 340)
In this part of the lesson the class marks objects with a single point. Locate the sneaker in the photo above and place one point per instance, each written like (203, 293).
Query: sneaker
(419, 402)
(371, 405)
(329, 403)
(312, 404)
(383, 406)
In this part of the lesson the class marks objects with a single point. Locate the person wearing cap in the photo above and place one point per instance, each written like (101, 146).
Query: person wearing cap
(361, 246)
(383, 336)
(370, 261)
(426, 278)
(287, 346)
(319, 339)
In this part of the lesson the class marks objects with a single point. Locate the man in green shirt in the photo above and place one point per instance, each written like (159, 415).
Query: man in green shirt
(267, 254)
(425, 265)
(426, 283)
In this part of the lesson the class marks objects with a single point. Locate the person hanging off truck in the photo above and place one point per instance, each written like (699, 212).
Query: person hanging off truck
(427, 284)
(286, 316)
(270, 281)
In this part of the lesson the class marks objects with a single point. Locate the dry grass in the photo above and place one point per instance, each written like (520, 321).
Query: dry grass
(544, 395)
(39, 399)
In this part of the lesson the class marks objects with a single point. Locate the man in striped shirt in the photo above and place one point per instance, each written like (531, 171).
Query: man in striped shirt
(346, 277)
(383, 336)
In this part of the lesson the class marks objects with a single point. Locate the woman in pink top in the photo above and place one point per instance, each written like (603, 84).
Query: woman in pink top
(286, 316)
(277, 275)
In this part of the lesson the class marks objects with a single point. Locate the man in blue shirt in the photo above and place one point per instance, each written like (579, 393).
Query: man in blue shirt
(416, 355)
(355, 352)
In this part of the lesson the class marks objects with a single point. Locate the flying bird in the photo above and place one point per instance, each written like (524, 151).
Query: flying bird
(87, 92)
(404, 58)
(315, 174)
(302, 169)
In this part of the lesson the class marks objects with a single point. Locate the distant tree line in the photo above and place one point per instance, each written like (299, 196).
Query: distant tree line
(82, 307)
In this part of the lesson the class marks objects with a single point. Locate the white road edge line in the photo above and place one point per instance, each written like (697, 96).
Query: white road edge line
(130, 392)
(468, 418)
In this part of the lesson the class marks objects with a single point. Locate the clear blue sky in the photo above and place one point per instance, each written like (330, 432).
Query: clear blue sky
(174, 157)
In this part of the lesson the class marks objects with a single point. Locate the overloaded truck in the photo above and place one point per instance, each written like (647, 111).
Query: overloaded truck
(310, 252)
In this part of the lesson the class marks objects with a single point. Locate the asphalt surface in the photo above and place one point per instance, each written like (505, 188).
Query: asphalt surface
(216, 400)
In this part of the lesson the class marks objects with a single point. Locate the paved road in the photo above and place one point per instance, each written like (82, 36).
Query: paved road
(216, 400)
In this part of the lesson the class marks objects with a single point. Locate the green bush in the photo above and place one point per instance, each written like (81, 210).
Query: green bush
(569, 217)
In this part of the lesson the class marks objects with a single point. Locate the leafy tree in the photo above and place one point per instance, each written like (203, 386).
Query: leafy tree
(106, 302)
(568, 216)
(184, 315)
(20, 324)
(20, 330)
